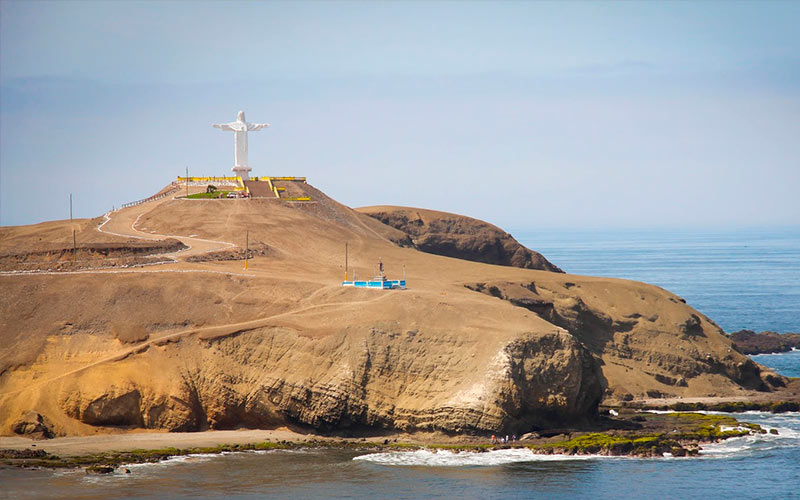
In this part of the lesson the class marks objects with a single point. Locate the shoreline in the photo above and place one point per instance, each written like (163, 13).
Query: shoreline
(725, 405)
(633, 434)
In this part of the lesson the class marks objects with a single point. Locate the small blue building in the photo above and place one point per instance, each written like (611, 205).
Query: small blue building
(379, 281)
(383, 284)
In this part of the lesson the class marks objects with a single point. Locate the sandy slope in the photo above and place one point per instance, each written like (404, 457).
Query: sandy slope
(468, 347)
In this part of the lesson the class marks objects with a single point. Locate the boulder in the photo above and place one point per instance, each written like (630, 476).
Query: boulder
(33, 425)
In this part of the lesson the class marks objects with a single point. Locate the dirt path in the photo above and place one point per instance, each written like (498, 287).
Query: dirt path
(123, 223)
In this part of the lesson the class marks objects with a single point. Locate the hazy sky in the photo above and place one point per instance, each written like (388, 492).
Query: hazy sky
(525, 114)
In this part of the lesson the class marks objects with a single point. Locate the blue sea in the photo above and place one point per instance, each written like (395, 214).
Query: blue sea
(741, 279)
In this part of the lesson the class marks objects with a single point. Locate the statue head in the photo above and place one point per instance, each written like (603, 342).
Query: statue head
(240, 116)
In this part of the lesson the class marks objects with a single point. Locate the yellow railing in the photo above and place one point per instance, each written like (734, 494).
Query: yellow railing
(237, 178)
(241, 187)
(173, 187)
(209, 179)
(272, 187)
(298, 179)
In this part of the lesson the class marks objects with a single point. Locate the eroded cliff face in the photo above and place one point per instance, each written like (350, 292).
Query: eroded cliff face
(385, 378)
(645, 352)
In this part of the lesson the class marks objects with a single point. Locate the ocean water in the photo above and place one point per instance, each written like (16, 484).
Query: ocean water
(747, 279)
(786, 363)
(766, 466)
(742, 279)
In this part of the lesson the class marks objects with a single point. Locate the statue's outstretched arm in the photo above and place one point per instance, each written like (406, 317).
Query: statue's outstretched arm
(222, 126)
(257, 126)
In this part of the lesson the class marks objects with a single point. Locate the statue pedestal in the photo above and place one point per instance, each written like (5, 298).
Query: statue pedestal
(243, 172)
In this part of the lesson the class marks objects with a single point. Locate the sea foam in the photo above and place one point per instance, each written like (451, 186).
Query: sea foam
(445, 458)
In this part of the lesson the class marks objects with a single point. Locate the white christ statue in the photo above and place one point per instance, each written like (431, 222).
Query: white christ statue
(240, 128)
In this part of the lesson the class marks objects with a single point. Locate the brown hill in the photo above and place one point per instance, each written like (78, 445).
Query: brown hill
(469, 347)
(458, 236)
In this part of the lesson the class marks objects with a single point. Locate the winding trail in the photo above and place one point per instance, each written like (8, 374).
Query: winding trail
(124, 221)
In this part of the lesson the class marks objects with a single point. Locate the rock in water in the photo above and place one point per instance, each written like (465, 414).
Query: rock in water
(750, 342)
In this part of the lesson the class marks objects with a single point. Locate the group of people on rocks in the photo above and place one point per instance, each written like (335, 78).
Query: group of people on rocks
(503, 439)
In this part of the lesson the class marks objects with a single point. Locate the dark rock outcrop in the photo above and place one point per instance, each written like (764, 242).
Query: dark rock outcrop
(750, 342)
(458, 236)
(33, 425)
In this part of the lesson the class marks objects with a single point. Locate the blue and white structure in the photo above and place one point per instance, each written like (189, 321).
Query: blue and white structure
(382, 284)
(379, 282)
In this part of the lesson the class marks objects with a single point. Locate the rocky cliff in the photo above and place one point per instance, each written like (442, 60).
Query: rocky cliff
(197, 344)
(750, 342)
(458, 236)
(669, 351)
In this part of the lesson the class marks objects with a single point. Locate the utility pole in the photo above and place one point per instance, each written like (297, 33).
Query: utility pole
(246, 248)
(70, 207)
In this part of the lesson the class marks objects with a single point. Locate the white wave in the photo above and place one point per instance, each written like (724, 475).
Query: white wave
(173, 460)
(295, 451)
(787, 433)
(737, 415)
(764, 354)
(784, 433)
(445, 458)
(191, 456)
(202, 457)
(728, 447)
(753, 444)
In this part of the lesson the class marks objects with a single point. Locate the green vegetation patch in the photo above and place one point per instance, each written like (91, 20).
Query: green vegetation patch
(215, 194)
(609, 444)
(687, 430)
(706, 419)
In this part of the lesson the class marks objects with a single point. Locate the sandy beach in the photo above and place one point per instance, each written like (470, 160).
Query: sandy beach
(83, 445)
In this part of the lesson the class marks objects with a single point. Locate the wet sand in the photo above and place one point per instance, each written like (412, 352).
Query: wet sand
(83, 445)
